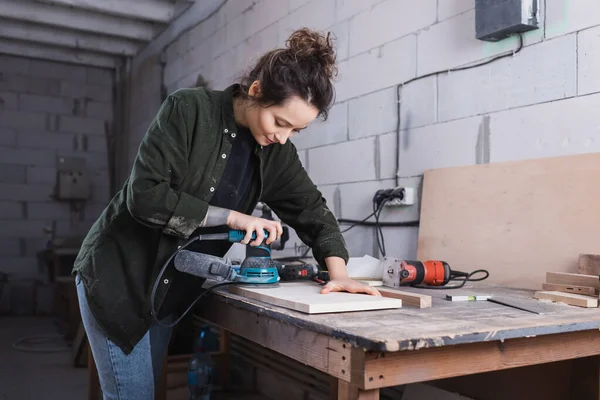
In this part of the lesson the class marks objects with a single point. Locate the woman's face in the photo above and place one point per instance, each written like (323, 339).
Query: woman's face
(276, 124)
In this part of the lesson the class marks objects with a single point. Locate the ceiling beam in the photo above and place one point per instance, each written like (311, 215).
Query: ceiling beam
(44, 34)
(77, 19)
(45, 52)
(149, 10)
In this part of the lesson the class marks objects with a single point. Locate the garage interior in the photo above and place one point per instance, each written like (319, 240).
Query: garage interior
(482, 124)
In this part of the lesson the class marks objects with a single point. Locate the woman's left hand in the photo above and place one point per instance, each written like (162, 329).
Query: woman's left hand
(349, 285)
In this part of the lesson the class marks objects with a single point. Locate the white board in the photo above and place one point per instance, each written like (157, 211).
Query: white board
(306, 297)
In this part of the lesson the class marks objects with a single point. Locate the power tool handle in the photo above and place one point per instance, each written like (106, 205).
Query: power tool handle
(236, 235)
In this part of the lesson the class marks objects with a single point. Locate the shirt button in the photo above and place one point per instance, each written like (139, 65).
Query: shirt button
(212, 189)
(233, 134)
(226, 130)
(223, 155)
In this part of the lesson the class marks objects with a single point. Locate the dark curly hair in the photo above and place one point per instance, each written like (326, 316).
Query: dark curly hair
(304, 68)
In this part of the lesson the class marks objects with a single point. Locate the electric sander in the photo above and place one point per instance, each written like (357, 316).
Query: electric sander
(258, 269)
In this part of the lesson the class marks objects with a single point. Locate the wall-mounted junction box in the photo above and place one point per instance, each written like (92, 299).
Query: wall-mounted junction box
(497, 19)
(73, 179)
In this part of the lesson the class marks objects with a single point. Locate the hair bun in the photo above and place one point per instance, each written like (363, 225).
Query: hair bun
(306, 44)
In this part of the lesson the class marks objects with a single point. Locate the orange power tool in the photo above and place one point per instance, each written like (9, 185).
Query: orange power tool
(433, 274)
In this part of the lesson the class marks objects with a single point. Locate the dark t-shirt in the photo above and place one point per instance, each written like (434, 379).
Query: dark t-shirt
(235, 192)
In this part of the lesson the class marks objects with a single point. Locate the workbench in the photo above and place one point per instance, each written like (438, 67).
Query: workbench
(366, 351)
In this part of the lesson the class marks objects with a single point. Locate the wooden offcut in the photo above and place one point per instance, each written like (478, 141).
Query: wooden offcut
(567, 278)
(306, 297)
(589, 264)
(568, 298)
(516, 219)
(574, 289)
(556, 287)
(408, 298)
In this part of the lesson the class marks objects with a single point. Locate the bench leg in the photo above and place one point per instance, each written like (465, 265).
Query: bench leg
(345, 391)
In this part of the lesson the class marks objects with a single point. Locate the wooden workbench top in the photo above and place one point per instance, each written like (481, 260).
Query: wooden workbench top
(445, 323)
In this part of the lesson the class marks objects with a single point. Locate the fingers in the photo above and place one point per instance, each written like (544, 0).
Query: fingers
(249, 231)
(328, 288)
(272, 229)
(350, 287)
(260, 235)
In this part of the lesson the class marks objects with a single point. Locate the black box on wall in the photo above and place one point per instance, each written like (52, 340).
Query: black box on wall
(497, 19)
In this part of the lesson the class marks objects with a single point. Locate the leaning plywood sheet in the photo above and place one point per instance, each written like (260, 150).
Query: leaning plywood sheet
(306, 297)
(516, 219)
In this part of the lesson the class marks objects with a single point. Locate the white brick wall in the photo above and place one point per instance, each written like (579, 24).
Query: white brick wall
(588, 61)
(512, 82)
(551, 129)
(320, 133)
(47, 109)
(389, 20)
(352, 161)
(539, 103)
(450, 8)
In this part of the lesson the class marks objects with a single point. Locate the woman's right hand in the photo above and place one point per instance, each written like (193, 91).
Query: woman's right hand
(251, 224)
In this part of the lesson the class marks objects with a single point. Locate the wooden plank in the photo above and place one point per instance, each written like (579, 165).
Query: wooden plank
(408, 298)
(589, 264)
(507, 217)
(346, 391)
(568, 298)
(321, 352)
(391, 369)
(575, 289)
(306, 297)
(566, 278)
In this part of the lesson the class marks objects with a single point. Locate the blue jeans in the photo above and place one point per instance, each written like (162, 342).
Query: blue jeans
(133, 376)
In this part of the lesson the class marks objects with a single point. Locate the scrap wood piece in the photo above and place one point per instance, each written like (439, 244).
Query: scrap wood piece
(567, 278)
(408, 298)
(306, 297)
(568, 298)
(575, 289)
(589, 264)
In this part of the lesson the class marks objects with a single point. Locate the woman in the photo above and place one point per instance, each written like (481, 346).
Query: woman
(207, 159)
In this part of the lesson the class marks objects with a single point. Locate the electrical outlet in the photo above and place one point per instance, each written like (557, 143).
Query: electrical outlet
(408, 198)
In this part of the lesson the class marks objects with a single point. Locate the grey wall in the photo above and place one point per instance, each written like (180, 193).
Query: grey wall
(47, 110)
(541, 102)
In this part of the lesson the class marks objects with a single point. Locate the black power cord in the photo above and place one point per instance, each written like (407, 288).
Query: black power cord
(463, 277)
(380, 199)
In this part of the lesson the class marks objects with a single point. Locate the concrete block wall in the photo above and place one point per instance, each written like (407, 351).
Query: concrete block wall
(539, 102)
(47, 110)
(145, 100)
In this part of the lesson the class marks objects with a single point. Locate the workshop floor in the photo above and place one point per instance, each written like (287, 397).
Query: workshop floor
(27, 375)
(51, 376)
